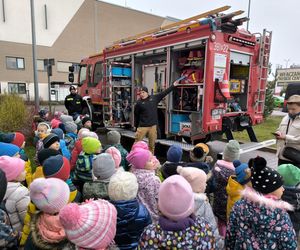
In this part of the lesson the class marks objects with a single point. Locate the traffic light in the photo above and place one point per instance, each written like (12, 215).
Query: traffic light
(71, 73)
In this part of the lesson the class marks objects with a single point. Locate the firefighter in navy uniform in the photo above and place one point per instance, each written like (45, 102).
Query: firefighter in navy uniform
(73, 102)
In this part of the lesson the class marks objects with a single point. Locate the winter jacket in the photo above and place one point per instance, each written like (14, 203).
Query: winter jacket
(95, 190)
(38, 147)
(31, 210)
(38, 173)
(73, 103)
(16, 200)
(221, 172)
(47, 233)
(145, 110)
(8, 237)
(258, 222)
(148, 190)
(70, 139)
(132, 219)
(83, 169)
(65, 151)
(292, 196)
(233, 190)
(75, 152)
(292, 137)
(197, 235)
(124, 163)
(75, 195)
(203, 209)
(28, 170)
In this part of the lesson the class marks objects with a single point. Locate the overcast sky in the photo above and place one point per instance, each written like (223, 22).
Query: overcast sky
(281, 17)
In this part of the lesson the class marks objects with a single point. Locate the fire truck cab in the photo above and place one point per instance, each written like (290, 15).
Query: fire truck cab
(225, 69)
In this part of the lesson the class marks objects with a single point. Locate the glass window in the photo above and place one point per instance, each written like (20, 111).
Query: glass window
(98, 73)
(15, 62)
(16, 88)
(82, 74)
(40, 65)
(89, 72)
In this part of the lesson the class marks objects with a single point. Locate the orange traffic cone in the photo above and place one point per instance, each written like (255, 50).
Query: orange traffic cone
(225, 86)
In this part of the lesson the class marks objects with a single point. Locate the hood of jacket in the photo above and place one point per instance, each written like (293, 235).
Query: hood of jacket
(47, 232)
(260, 200)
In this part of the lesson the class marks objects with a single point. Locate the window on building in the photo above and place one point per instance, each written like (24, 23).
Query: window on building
(98, 73)
(15, 62)
(16, 88)
(64, 66)
(40, 65)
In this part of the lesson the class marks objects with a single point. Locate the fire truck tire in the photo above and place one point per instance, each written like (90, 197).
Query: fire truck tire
(85, 111)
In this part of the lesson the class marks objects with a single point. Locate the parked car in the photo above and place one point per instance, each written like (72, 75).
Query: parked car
(278, 101)
(291, 89)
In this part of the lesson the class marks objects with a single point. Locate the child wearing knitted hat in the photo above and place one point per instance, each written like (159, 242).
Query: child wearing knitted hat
(221, 172)
(83, 132)
(236, 183)
(43, 155)
(49, 196)
(103, 169)
(114, 140)
(17, 196)
(291, 180)
(43, 129)
(174, 157)
(86, 122)
(91, 225)
(71, 134)
(116, 155)
(133, 217)
(9, 237)
(144, 169)
(259, 220)
(9, 149)
(83, 170)
(58, 166)
(62, 143)
(197, 178)
(56, 120)
(177, 227)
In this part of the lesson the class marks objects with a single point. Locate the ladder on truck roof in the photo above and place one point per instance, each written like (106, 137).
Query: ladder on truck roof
(264, 55)
(176, 25)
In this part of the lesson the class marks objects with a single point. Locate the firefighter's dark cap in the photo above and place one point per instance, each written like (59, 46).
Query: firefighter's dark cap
(144, 89)
(72, 88)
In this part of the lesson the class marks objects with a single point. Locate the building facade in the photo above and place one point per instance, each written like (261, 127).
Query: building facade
(66, 31)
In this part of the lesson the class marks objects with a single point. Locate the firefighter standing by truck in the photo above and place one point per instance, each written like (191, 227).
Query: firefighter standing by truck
(145, 115)
(73, 102)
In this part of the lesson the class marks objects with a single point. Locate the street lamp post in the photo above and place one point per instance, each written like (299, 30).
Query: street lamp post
(249, 7)
(35, 80)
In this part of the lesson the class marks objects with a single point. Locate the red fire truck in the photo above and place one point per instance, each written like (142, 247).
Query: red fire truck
(224, 68)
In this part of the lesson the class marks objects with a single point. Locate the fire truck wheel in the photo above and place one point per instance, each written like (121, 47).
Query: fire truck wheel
(85, 111)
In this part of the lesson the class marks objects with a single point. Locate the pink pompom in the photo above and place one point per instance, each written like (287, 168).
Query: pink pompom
(69, 216)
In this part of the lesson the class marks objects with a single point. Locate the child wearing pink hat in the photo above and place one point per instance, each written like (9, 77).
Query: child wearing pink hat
(144, 167)
(83, 132)
(114, 140)
(91, 225)
(50, 196)
(177, 227)
(116, 155)
(197, 178)
(16, 198)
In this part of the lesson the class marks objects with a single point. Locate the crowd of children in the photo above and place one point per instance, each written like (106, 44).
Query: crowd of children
(85, 195)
